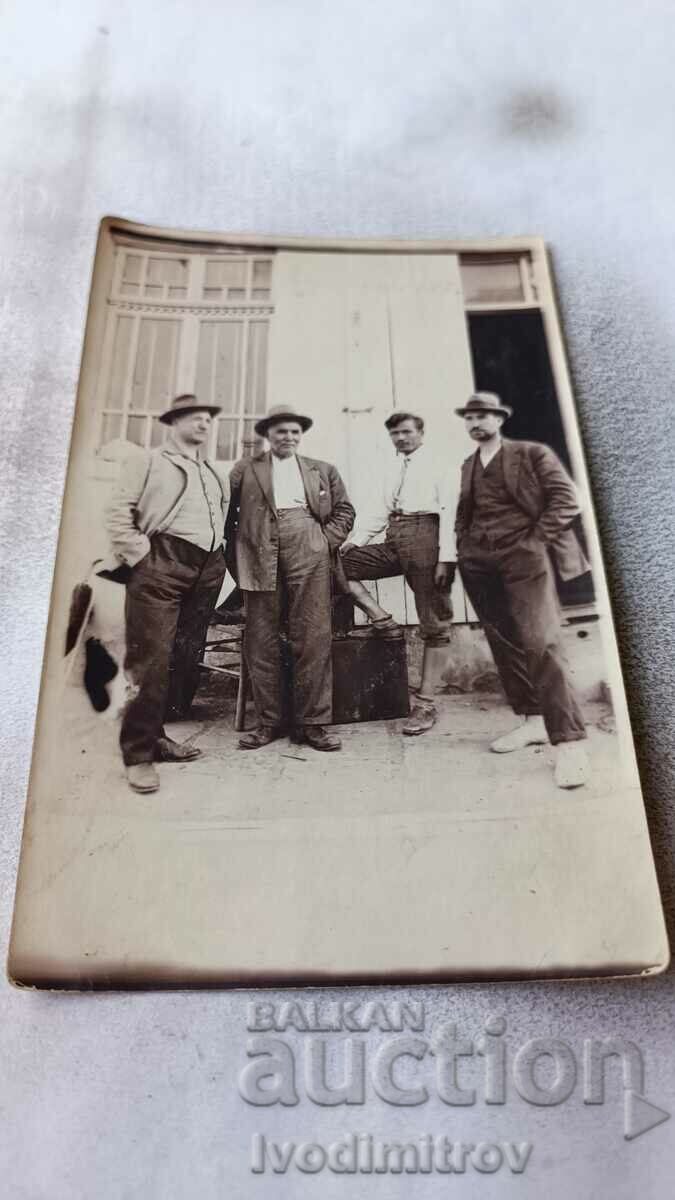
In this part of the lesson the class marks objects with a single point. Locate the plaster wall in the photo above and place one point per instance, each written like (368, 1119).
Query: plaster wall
(303, 117)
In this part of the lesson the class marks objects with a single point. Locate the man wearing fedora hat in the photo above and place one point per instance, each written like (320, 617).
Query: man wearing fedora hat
(166, 523)
(516, 504)
(290, 513)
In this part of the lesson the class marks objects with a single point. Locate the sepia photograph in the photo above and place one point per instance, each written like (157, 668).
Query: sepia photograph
(331, 690)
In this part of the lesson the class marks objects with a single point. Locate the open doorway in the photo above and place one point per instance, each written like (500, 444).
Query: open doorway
(510, 357)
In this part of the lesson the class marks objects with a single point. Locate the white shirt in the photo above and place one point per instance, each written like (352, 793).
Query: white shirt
(419, 485)
(289, 490)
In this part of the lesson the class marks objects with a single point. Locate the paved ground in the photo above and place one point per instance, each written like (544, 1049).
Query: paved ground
(430, 853)
(378, 771)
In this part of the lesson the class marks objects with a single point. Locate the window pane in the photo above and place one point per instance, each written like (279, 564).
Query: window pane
(165, 274)
(136, 430)
(133, 266)
(158, 433)
(227, 443)
(498, 282)
(154, 373)
(251, 443)
(120, 362)
(262, 273)
(260, 294)
(155, 270)
(225, 273)
(112, 425)
(174, 271)
(219, 363)
(256, 368)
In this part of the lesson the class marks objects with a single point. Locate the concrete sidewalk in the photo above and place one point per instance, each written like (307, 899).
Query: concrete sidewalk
(424, 856)
(380, 771)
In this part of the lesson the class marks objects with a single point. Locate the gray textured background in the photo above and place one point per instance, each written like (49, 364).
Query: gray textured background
(432, 118)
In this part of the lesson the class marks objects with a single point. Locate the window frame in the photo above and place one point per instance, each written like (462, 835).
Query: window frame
(191, 312)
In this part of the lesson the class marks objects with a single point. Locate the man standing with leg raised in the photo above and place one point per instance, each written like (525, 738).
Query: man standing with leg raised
(417, 510)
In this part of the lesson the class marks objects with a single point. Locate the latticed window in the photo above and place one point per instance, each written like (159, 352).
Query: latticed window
(194, 321)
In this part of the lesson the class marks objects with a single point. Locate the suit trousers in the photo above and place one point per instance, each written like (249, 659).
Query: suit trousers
(170, 599)
(297, 613)
(513, 592)
(410, 549)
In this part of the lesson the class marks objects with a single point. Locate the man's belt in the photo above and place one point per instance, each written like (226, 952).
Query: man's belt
(401, 516)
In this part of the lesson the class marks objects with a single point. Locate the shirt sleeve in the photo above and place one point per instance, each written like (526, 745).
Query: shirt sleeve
(368, 528)
(372, 521)
(447, 495)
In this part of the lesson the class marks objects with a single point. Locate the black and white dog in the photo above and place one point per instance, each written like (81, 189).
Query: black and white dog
(96, 620)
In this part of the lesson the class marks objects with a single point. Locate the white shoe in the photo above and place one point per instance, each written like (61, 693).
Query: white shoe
(531, 733)
(572, 768)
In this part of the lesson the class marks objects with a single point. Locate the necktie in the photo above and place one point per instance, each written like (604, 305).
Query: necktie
(396, 499)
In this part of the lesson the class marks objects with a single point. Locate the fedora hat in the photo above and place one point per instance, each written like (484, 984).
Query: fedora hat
(187, 403)
(487, 402)
(282, 412)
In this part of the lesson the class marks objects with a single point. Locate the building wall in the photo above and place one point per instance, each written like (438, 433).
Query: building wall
(388, 118)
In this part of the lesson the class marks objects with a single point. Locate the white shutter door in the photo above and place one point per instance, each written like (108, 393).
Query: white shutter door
(355, 336)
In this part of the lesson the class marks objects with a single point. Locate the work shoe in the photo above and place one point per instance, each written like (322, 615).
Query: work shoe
(572, 768)
(142, 777)
(262, 736)
(422, 718)
(317, 737)
(387, 628)
(531, 733)
(167, 750)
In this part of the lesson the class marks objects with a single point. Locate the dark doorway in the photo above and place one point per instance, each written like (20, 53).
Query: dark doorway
(510, 357)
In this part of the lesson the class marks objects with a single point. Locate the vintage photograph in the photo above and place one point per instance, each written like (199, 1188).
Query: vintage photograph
(331, 689)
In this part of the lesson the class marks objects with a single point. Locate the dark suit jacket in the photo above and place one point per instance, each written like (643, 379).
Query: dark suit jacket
(540, 485)
(252, 520)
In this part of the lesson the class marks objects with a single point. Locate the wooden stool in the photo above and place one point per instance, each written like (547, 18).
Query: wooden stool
(235, 670)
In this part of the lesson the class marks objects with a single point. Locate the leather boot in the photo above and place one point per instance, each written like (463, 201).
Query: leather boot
(167, 750)
(262, 736)
(421, 719)
(317, 737)
(386, 628)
